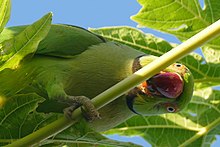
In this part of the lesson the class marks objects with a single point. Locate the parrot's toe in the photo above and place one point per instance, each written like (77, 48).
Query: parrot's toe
(91, 115)
(68, 112)
(89, 111)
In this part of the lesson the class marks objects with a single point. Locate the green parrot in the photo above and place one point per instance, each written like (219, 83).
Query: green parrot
(72, 66)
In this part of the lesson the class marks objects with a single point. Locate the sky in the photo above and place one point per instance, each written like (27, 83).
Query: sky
(87, 14)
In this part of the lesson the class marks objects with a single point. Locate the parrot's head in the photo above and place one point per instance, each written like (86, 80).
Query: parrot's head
(169, 91)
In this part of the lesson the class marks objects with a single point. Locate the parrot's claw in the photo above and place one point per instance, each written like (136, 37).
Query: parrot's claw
(89, 111)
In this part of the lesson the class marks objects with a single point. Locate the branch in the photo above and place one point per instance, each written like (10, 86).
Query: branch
(122, 87)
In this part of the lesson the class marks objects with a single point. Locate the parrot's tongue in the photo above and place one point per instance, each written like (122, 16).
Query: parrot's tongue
(168, 84)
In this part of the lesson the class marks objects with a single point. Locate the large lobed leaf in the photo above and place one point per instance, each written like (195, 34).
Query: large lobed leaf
(135, 38)
(5, 9)
(13, 115)
(182, 19)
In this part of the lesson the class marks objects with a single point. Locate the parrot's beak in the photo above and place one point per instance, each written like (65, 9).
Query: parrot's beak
(168, 84)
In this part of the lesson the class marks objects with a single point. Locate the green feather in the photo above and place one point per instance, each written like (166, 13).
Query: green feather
(62, 40)
(75, 40)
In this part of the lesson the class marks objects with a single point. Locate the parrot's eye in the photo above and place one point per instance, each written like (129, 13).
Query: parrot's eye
(178, 65)
(171, 109)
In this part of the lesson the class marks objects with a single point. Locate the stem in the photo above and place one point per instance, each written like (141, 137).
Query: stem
(125, 85)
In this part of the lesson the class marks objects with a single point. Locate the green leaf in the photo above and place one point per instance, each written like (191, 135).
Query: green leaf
(135, 38)
(25, 43)
(196, 126)
(5, 9)
(206, 73)
(181, 18)
(184, 19)
(212, 55)
(13, 115)
(10, 86)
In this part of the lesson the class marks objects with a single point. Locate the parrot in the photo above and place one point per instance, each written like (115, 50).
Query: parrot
(73, 65)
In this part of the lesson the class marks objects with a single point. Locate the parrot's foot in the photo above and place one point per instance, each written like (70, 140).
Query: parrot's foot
(89, 111)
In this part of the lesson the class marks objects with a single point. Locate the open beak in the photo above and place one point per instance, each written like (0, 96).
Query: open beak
(168, 84)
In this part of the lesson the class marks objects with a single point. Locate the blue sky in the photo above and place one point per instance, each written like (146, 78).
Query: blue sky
(84, 13)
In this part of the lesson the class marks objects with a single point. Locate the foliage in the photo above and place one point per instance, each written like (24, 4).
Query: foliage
(197, 125)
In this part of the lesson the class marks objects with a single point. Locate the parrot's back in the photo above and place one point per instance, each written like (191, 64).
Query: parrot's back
(62, 40)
